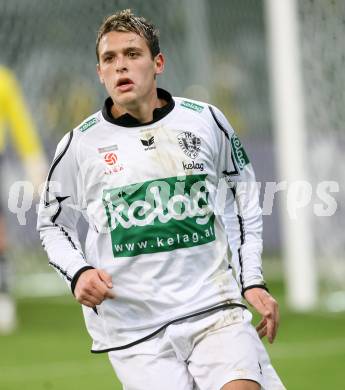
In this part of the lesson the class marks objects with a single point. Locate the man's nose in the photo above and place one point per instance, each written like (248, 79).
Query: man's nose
(121, 64)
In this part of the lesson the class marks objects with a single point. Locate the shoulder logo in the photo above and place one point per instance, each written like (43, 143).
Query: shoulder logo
(189, 143)
(86, 125)
(240, 154)
(192, 106)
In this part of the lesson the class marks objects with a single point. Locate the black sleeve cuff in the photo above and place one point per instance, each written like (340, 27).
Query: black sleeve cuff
(263, 286)
(76, 276)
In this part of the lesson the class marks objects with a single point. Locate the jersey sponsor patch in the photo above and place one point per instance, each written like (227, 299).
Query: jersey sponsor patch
(239, 153)
(159, 216)
(86, 125)
(192, 106)
(189, 143)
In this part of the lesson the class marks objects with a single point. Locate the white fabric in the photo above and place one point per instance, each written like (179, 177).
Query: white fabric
(202, 353)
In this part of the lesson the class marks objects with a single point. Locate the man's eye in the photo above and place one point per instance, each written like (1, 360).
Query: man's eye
(107, 59)
(132, 54)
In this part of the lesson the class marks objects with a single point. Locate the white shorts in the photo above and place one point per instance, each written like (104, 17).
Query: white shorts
(204, 352)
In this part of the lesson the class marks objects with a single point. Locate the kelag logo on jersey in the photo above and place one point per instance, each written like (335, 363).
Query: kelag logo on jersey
(159, 216)
(193, 165)
(86, 125)
(192, 106)
(239, 152)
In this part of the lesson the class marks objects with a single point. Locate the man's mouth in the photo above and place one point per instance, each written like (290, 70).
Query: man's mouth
(124, 84)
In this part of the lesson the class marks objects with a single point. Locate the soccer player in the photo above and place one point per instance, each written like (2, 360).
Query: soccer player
(16, 121)
(163, 183)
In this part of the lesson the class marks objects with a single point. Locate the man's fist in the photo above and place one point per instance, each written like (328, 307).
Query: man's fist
(93, 287)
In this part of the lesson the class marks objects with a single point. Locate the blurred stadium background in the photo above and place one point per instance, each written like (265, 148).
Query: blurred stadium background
(217, 51)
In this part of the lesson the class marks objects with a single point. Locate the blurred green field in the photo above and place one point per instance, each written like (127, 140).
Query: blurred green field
(50, 350)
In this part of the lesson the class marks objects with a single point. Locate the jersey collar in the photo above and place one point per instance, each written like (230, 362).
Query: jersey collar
(128, 120)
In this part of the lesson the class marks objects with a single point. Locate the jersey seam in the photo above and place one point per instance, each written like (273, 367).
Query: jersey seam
(242, 236)
(63, 272)
(53, 167)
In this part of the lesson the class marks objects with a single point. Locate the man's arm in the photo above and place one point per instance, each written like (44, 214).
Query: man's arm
(59, 211)
(242, 218)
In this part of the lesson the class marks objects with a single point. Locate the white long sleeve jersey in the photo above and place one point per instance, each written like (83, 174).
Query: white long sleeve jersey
(164, 201)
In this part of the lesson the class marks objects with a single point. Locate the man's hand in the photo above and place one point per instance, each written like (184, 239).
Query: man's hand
(93, 287)
(267, 306)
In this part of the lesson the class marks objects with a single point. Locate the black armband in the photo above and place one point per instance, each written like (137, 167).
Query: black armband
(263, 286)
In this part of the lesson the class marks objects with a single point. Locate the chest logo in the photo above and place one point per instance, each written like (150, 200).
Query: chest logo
(148, 141)
(113, 164)
(189, 143)
(159, 215)
(110, 158)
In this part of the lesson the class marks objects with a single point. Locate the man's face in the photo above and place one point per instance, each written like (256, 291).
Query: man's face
(126, 68)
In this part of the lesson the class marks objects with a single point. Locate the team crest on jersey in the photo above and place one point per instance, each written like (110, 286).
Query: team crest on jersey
(189, 143)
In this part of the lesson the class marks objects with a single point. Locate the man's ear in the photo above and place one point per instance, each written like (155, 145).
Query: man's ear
(159, 61)
(98, 68)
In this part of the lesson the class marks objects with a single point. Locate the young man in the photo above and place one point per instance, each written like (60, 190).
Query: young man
(155, 282)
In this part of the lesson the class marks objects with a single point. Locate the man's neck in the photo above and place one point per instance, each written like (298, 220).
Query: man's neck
(143, 112)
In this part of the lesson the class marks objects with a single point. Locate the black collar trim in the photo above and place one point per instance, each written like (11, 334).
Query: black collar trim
(127, 120)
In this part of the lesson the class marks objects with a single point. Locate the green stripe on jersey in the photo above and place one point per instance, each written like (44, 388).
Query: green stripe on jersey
(159, 216)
